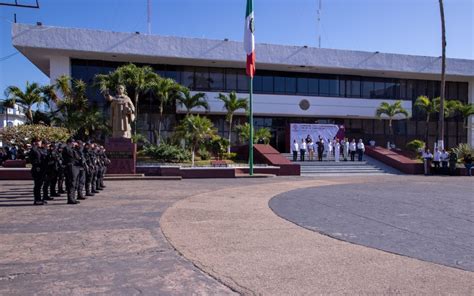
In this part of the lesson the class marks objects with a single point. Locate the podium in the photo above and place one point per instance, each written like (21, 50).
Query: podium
(122, 154)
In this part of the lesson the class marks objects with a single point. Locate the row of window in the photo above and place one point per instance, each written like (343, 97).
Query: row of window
(289, 83)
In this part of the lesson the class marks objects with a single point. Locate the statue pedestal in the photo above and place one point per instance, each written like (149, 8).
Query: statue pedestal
(122, 154)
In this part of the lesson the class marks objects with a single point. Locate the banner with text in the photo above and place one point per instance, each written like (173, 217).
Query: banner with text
(300, 131)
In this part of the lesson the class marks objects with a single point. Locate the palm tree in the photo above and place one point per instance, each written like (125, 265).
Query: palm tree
(165, 90)
(231, 105)
(192, 101)
(391, 111)
(465, 110)
(30, 97)
(427, 106)
(195, 130)
(443, 75)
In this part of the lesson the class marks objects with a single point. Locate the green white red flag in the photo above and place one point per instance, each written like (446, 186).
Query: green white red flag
(249, 40)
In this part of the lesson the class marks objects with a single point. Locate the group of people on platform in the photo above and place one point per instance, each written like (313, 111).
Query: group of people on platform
(443, 162)
(77, 165)
(12, 152)
(335, 149)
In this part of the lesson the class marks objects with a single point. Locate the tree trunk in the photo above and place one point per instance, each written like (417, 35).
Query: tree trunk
(390, 131)
(230, 133)
(136, 113)
(159, 126)
(29, 115)
(443, 78)
(427, 130)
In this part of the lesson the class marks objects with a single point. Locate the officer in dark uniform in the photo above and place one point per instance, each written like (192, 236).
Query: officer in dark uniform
(53, 168)
(61, 169)
(90, 171)
(71, 161)
(35, 157)
(45, 167)
(95, 157)
(81, 178)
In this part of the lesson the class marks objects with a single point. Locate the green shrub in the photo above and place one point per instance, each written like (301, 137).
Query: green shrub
(23, 134)
(229, 156)
(462, 150)
(218, 146)
(415, 145)
(167, 153)
(204, 154)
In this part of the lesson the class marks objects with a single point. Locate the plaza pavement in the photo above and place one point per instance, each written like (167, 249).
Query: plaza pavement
(233, 235)
(224, 239)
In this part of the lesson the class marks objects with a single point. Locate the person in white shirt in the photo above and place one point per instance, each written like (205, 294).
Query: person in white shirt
(352, 149)
(295, 150)
(330, 147)
(444, 161)
(337, 150)
(302, 149)
(310, 147)
(427, 158)
(345, 148)
(436, 160)
(360, 149)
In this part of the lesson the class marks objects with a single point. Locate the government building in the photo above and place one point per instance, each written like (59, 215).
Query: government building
(293, 84)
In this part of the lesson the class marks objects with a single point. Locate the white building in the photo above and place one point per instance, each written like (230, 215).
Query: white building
(294, 84)
(11, 116)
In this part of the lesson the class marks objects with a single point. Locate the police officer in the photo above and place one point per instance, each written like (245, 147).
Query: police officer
(61, 169)
(37, 173)
(90, 168)
(45, 167)
(81, 178)
(71, 161)
(53, 168)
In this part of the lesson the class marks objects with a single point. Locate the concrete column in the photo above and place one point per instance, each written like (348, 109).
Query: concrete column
(58, 66)
(470, 121)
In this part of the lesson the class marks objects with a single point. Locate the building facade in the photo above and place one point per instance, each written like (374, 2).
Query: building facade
(293, 84)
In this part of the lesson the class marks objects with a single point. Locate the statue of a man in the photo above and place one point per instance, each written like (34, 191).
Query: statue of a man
(122, 113)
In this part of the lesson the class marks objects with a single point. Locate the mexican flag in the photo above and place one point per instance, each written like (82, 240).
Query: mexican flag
(249, 40)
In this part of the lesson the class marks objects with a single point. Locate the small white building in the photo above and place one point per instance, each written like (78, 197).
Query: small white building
(11, 116)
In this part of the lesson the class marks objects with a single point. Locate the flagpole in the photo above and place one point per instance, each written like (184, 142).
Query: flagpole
(251, 126)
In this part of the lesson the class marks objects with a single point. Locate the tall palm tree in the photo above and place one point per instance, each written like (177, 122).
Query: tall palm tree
(443, 76)
(165, 90)
(195, 130)
(192, 101)
(231, 105)
(27, 99)
(391, 111)
(427, 106)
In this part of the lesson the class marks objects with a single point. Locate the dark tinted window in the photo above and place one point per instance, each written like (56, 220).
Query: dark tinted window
(242, 81)
(462, 92)
(231, 80)
(187, 77)
(302, 86)
(201, 79)
(313, 86)
(257, 84)
(355, 88)
(216, 78)
(290, 85)
(367, 89)
(324, 87)
(267, 84)
(279, 84)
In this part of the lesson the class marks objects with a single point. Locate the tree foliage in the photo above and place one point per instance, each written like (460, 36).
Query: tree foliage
(23, 134)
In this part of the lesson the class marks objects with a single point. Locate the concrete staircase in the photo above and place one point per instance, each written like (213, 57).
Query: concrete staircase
(367, 167)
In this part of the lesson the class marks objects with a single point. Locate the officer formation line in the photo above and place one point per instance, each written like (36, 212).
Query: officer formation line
(79, 166)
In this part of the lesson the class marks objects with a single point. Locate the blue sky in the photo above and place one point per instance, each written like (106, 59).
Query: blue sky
(396, 26)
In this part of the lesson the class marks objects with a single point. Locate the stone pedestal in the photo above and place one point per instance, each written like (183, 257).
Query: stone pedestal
(122, 154)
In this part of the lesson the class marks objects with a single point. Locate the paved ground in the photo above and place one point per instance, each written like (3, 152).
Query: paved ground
(432, 221)
(115, 244)
(233, 235)
(110, 244)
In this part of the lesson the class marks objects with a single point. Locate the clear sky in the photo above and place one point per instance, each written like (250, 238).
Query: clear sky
(395, 26)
